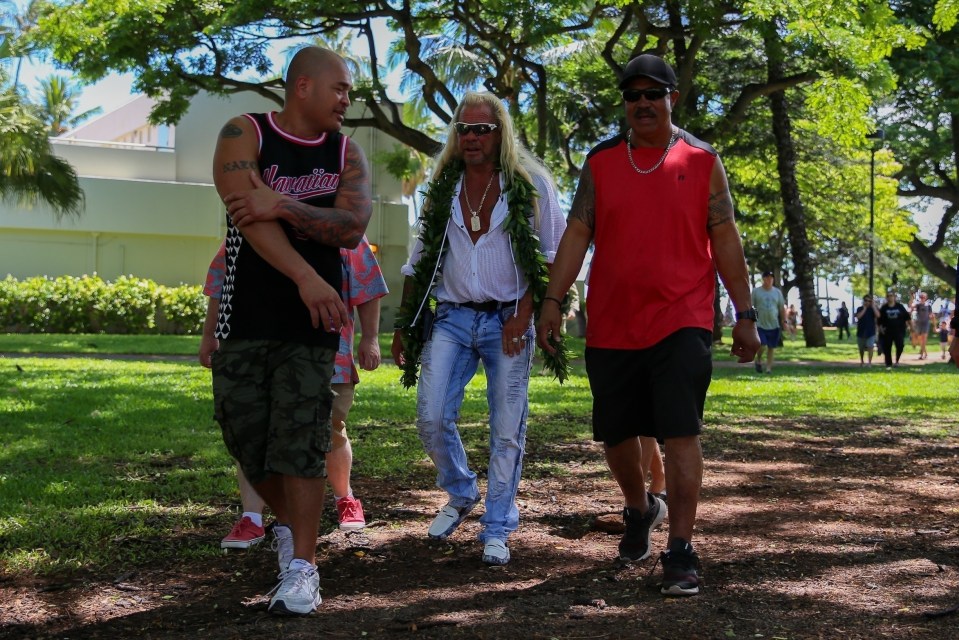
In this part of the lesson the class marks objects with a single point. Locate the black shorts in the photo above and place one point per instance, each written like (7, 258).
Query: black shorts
(659, 392)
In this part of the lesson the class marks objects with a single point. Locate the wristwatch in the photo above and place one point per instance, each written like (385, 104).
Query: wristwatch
(748, 314)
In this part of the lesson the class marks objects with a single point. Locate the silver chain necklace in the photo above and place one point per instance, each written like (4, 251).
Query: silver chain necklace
(474, 215)
(662, 158)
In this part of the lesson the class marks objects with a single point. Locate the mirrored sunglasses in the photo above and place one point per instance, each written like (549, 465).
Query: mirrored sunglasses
(479, 128)
(632, 95)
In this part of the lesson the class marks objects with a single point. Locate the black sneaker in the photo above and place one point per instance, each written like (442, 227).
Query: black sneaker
(635, 543)
(680, 569)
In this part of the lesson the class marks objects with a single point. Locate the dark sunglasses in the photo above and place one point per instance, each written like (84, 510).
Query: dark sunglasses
(479, 129)
(632, 95)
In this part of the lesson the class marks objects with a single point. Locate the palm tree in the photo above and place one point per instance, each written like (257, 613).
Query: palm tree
(58, 104)
(29, 170)
(14, 24)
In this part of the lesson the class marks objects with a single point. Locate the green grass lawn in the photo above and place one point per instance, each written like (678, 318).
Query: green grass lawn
(793, 350)
(101, 459)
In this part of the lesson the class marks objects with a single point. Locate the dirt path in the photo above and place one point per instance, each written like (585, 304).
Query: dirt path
(848, 533)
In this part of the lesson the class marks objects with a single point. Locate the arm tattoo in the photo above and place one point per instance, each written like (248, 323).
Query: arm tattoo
(343, 224)
(720, 209)
(584, 202)
(230, 130)
(240, 165)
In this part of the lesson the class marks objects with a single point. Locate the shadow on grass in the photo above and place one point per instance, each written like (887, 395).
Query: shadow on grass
(441, 590)
(808, 527)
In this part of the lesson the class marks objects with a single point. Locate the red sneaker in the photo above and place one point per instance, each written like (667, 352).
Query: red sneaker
(244, 535)
(350, 511)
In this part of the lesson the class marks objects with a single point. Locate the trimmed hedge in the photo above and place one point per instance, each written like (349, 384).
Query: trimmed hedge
(90, 305)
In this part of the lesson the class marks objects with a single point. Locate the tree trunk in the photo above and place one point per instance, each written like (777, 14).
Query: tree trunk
(928, 254)
(793, 212)
(932, 262)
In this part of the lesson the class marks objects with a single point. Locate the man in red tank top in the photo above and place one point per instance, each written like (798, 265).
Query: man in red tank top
(656, 204)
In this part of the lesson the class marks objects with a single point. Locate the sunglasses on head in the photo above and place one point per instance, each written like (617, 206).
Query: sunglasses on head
(632, 95)
(479, 128)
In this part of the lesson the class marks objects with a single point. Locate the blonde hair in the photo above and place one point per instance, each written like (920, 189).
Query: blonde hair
(514, 157)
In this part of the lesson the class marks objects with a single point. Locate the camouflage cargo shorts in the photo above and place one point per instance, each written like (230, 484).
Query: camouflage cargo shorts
(273, 402)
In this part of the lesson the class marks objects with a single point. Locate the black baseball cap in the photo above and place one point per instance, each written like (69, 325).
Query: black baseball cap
(767, 273)
(649, 66)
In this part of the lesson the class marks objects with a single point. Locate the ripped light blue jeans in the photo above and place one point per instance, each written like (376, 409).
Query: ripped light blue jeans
(461, 339)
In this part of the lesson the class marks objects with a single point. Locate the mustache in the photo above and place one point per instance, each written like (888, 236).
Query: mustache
(643, 111)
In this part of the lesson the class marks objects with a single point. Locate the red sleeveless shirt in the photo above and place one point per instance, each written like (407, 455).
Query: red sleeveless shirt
(652, 271)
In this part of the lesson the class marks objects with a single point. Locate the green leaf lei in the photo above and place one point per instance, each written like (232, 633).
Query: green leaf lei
(436, 215)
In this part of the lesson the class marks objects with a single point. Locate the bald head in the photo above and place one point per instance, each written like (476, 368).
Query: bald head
(309, 62)
(318, 85)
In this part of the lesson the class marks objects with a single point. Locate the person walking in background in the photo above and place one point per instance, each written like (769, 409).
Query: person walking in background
(943, 339)
(792, 320)
(487, 195)
(943, 310)
(954, 323)
(771, 312)
(867, 315)
(893, 323)
(842, 320)
(363, 286)
(280, 313)
(656, 203)
(922, 315)
(913, 301)
(570, 306)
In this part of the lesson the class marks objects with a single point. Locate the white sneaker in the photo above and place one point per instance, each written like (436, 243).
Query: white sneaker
(446, 521)
(495, 552)
(297, 594)
(283, 545)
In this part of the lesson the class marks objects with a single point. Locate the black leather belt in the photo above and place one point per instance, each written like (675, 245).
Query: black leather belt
(490, 305)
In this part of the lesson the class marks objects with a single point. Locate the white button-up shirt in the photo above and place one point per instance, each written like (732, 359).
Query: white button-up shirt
(487, 270)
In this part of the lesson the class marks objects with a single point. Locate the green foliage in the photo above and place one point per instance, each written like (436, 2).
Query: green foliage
(419, 299)
(89, 305)
(130, 307)
(922, 128)
(29, 171)
(520, 195)
(58, 103)
(947, 12)
(69, 302)
(181, 309)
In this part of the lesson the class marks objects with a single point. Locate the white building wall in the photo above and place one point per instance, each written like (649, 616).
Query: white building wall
(152, 212)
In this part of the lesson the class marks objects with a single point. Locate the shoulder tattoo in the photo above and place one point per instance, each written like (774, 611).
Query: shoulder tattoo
(584, 202)
(230, 130)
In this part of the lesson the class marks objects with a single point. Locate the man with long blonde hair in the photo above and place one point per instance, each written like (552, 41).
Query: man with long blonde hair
(490, 209)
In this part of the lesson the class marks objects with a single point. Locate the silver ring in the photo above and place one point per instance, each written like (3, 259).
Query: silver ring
(515, 339)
